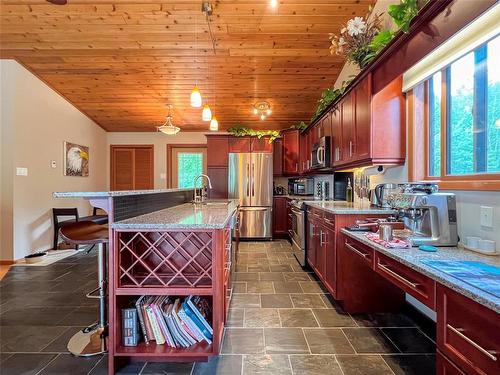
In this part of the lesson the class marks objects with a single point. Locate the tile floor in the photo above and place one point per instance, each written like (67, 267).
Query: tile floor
(281, 322)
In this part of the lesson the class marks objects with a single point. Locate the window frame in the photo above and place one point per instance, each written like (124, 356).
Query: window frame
(418, 109)
(170, 158)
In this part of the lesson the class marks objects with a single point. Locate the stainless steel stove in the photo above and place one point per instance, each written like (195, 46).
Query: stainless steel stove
(298, 230)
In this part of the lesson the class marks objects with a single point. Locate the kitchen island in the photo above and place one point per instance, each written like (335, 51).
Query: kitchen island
(161, 244)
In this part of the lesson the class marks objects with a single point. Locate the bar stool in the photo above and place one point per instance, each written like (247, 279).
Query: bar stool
(92, 339)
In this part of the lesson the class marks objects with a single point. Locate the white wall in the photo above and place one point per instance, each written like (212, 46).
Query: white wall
(160, 141)
(35, 122)
(468, 202)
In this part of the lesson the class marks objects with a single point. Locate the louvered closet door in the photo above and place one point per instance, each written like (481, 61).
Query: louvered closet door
(132, 167)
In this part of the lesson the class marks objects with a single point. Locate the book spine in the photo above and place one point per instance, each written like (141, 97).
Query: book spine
(198, 314)
(138, 305)
(154, 325)
(201, 327)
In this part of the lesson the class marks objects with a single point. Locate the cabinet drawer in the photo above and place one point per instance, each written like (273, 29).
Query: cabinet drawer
(362, 251)
(445, 367)
(329, 220)
(468, 333)
(414, 283)
(315, 214)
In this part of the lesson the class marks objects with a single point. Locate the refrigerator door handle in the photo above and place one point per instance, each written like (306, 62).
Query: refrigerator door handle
(255, 209)
(248, 180)
(253, 180)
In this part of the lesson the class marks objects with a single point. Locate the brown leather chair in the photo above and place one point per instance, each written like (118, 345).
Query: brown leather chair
(92, 339)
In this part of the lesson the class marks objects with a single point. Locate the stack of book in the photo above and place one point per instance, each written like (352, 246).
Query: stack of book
(175, 321)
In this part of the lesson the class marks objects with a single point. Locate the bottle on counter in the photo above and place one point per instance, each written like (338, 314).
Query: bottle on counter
(348, 192)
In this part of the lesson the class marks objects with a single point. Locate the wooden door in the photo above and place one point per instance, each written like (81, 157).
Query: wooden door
(330, 275)
(217, 151)
(278, 157)
(132, 167)
(347, 129)
(279, 217)
(291, 152)
(336, 123)
(363, 119)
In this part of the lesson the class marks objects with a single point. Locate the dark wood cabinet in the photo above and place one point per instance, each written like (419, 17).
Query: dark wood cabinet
(445, 367)
(261, 145)
(280, 217)
(288, 215)
(304, 153)
(336, 124)
(362, 118)
(348, 129)
(467, 333)
(240, 144)
(330, 256)
(217, 151)
(291, 152)
(312, 241)
(218, 177)
(278, 157)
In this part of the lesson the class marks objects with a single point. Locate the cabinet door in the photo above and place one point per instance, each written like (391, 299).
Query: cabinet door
(320, 252)
(261, 145)
(279, 216)
(326, 125)
(218, 177)
(312, 236)
(217, 151)
(330, 275)
(278, 157)
(291, 152)
(363, 119)
(348, 129)
(336, 123)
(239, 144)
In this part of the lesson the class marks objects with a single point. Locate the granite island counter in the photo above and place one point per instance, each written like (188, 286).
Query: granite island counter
(161, 244)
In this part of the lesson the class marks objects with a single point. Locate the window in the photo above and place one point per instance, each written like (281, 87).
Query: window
(461, 121)
(185, 162)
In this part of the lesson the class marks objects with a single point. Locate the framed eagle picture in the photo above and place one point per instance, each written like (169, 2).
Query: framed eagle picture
(76, 160)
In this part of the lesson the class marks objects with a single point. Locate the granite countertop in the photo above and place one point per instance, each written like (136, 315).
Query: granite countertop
(299, 197)
(345, 208)
(106, 194)
(413, 258)
(184, 216)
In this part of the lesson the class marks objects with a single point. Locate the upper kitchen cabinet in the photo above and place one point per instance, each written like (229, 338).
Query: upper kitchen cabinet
(291, 152)
(261, 145)
(278, 157)
(218, 148)
(240, 144)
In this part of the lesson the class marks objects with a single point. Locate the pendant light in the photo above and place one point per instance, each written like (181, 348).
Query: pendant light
(206, 115)
(214, 124)
(168, 127)
(196, 100)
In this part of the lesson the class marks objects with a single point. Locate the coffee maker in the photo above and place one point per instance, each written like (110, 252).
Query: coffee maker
(429, 219)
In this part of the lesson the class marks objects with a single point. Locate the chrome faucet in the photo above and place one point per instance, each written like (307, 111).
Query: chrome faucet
(200, 198)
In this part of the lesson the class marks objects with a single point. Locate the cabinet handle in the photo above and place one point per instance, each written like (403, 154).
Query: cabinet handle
(329, 221)
(458, 331)
(356, 251)
(397, 276)
(296, 167)
(320, 238)
(350, 148)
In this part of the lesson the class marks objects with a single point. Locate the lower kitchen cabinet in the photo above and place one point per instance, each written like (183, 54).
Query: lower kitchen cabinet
(467, 333)
(280, 218)
(445, 367)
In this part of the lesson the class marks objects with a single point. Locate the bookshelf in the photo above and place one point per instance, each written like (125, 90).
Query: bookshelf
(176, 263)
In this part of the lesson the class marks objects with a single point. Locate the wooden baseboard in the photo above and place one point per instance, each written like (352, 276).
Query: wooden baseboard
(6, 262)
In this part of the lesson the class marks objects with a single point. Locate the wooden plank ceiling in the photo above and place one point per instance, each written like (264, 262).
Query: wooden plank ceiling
(121, 62)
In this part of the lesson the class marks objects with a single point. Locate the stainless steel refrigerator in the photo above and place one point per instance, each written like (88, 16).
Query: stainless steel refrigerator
(250, 179)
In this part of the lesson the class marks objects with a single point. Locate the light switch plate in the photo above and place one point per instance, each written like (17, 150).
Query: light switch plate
(20, 171)
(163, 176)
(487, 216)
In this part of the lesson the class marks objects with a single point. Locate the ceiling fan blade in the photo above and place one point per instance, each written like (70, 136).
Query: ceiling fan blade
(58, 2)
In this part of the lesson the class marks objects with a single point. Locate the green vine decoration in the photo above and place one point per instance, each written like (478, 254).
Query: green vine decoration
(300, 126)
(242, 131)
(404, 12)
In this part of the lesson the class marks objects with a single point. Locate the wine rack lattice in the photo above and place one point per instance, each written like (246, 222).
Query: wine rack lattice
(165, 259)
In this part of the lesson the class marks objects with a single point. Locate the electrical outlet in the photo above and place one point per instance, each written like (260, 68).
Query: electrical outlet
(20, 171)
(487, 216)
(53, 164)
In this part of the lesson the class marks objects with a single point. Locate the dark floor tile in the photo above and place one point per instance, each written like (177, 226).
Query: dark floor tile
(36, 316)
(258, 268)
(369, 340)
(281, 268)
(245, 300)
(101, 368)
(307, 301)
(410, 340)
(285, 341)
(243, 341)
(333, 318)
(77, 365)
(60, 343)
(271, 276)
(287, 287)
(262, 318)
(274, 364)
(260, 287)
(81, 316)
(383, 320)
(4, 356)
(315, 365)
(312, 287)
(25, 364)
(297, 318)
(328, 341)
(411, 364)
(276, 300)
(235, 318)
(247, 276)
(28, 338)
(240, 287)
(164, 368)
(363, 365)
(296, 276)
(219, 365)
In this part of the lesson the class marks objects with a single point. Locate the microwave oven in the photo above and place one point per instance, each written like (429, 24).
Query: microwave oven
(301, 186)
(320, 154)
